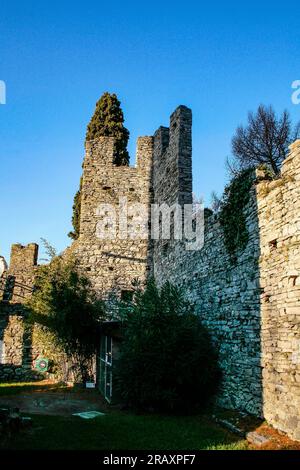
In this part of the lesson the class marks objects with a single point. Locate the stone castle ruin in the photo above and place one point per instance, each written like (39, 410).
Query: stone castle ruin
(251, 307)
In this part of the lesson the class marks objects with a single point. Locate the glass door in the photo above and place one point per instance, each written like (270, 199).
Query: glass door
(105, 382)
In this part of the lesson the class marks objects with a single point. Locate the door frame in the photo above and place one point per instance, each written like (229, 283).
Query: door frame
(105, 367)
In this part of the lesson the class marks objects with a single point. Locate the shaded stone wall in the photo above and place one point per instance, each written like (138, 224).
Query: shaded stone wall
(21, 273)
(225, 295)
(17, 284)
(251, 307)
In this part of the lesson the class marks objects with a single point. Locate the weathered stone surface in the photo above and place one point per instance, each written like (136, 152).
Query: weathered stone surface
(251, 307)
(257, 439)
(113, 264)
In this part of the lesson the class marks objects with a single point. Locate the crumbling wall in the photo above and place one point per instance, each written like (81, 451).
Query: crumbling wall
(250, 306)
(113, 263)
(15, 334)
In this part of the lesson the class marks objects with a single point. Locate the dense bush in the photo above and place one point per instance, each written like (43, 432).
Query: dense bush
(166, 362)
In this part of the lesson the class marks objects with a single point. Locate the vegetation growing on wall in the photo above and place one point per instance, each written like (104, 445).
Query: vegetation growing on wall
(167, 362)
(107, 121)
(232, 216)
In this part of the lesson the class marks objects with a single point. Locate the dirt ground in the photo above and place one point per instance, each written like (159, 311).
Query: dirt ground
(274, 439)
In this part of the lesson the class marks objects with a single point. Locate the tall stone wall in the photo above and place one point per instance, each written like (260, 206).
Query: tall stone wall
(225, 295)
(279, 266)
(114, 263)
(251, 306)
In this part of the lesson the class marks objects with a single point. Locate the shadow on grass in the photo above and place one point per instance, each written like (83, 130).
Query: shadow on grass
(118, 430)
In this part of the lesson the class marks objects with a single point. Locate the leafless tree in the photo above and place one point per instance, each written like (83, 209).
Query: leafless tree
(263, 141)
(215, 202)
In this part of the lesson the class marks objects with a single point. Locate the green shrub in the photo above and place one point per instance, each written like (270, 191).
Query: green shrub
(66, 313)
(166, 362)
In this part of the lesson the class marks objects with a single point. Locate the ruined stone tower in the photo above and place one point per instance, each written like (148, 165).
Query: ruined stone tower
(113, 263)
(251, 307)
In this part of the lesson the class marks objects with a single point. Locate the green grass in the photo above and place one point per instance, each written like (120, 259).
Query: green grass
(116, 430)
(124, 431)
(15, 388)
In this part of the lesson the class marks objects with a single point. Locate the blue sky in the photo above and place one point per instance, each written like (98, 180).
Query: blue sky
(57, 58)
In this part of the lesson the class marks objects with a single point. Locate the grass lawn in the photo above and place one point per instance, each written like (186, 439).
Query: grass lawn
(123, 431)
(116, 430)
(14, 388)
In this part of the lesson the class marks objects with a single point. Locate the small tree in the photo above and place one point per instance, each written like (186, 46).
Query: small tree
(63, 304)
(264, 141)
(107, 121)
(166, 362)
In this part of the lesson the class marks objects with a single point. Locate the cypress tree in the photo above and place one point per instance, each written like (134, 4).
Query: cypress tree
(107, 120)
(76, 214)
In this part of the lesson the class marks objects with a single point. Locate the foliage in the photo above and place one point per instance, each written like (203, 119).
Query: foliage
(76, 214)
(108, 120)
(49, 249)
(62, 303)
(264, 140)
(166, 360)
(232, 217)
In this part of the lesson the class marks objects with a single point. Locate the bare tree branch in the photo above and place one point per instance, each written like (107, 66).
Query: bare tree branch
(263, 141)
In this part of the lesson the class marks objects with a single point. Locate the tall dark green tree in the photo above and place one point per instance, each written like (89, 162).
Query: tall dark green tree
(76, 214)
(107, 121)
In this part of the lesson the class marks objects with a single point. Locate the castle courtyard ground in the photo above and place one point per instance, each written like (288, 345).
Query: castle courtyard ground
(51, 407)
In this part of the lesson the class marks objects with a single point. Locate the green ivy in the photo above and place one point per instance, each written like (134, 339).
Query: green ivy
(232, 217)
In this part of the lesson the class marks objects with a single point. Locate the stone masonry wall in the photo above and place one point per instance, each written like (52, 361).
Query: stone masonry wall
(279, 266)
(113, 264)
(251, 307)
(226, 296)
(17, 283)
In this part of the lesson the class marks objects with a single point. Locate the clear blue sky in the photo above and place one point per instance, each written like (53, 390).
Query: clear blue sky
(57, 58)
